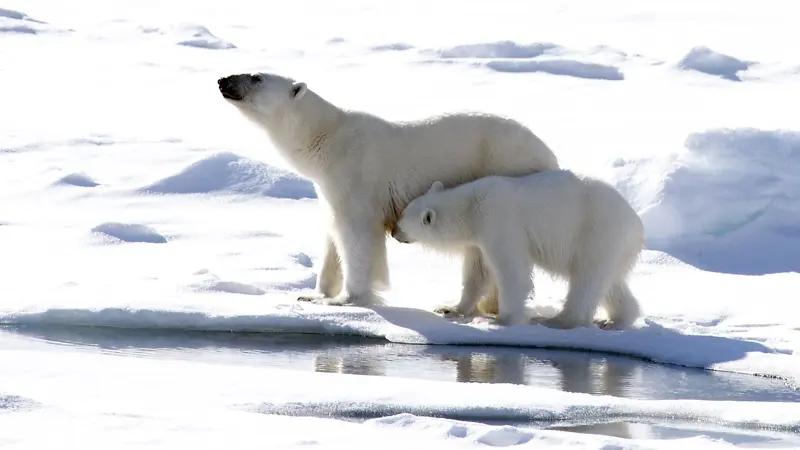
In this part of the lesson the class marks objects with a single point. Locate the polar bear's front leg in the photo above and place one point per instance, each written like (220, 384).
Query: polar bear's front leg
(511, 267)
(329, 278)
(357, 236)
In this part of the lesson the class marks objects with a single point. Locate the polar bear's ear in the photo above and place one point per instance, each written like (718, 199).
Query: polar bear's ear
(428, 217)
(298, 90)
(436, 187)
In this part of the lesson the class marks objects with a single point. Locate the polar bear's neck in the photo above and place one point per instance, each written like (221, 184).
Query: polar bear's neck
(302, 134)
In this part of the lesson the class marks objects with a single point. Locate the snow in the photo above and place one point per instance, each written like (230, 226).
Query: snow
(751, 172)
(17, 22)
(705, 60)
(114, 138)
(217, 402)
(231, 173)
(130, 232)
(77, 179)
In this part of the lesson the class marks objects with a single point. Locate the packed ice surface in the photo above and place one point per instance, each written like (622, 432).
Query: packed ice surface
(134, 196)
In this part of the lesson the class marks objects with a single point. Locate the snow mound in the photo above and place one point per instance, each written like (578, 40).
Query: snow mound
(730, 204)
(15, 403)
(703, 59)
(508, 436)
(200, 37)
(303, 259)
(498, 49)
(231, 287)
(565, 67)
(230, 173)
(17, 22)
(130, 232)
(511, 57)
(393, 47)
(77, 179)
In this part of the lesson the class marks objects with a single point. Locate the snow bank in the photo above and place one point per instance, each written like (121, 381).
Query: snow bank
(730, 204)
(130, 232)
(512, 57)
(704, 60)
(356, 397)
(233, 174)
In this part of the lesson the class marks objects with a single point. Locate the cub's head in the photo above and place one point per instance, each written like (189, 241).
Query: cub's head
(262, 96)
(438, 219)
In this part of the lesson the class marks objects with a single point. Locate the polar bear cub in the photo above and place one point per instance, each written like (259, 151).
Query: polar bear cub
(572, 226)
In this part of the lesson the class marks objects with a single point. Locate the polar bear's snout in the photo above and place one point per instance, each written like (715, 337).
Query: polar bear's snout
(399, 235)
(235, 87)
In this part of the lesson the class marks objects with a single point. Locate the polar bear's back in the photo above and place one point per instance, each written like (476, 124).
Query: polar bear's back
(407, 157)
(478, 139)
(565, 215)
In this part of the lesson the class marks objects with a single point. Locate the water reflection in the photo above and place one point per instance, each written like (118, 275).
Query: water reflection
(569, 371)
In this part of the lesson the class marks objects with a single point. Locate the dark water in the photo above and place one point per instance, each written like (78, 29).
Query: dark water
(563, 370)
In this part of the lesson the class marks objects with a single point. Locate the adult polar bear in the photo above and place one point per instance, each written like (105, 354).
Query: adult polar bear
(575, 227)
(366, 170)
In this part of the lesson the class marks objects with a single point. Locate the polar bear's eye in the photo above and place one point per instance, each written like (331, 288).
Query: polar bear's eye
(427, 217)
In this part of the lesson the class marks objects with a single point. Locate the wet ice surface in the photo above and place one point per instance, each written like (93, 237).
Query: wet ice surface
(569, 371)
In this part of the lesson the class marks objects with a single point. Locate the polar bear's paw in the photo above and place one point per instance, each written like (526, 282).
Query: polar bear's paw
(449, 312)
(612, 325)
(311, 298)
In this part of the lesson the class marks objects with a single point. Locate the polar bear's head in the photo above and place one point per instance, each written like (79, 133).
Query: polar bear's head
(440, 218)
(263, 97)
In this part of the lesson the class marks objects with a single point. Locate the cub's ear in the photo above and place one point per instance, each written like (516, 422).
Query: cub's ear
(436, 187)
(298, 90)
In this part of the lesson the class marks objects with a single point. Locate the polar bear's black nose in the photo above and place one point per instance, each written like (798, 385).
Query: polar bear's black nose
(231, 87)
(398, 235)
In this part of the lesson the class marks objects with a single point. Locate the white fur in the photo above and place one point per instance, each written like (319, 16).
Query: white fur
(366, 169)
(572, 226)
